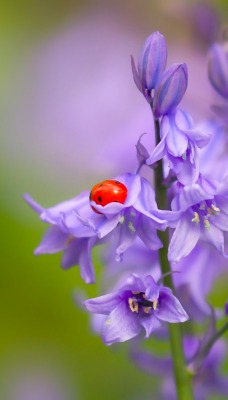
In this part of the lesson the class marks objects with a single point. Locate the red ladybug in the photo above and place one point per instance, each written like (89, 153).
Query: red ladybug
(108, 191)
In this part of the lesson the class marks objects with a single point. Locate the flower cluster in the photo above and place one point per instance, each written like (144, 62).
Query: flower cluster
(160, 264)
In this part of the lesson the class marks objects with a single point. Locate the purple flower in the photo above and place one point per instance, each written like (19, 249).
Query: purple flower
(196, 277)
(205, 382)
(179, 143)
(76, 228)
(218, 68)
(204, 207)
(138, 216)
(139, 304)
(170, 90)
(151, 64)
(76, 250)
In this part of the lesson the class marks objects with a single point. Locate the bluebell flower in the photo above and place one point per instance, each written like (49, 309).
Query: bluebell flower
(138, 304)
(137, 216)
(204, 207)
(76, 250)
(218, 68)
(206, 381)
(75, 228)
(179, 143)
(196, 277)
(151, 63)
(170, 89)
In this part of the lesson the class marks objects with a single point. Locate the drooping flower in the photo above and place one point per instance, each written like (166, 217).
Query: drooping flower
(206, 381)
(76, 249)
(179, 144)
(137, 216)
(138, 304)
(170, 89)
(204, 215)
(76, 228)
(196, 277)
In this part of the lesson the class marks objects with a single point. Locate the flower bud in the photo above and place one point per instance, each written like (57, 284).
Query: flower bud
(152, 60)
(170, 90)
(218, 68)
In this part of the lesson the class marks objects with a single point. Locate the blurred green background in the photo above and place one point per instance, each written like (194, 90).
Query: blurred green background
(43, 335)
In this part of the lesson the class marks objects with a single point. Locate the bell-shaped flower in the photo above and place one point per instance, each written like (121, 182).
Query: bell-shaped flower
(179, 144)
(196, 277)
(151, 63)
(218, 68)
(76, 249)
(170, 90)
(138, 304)
(208, 379)
(76, 227)
(204, 207)
(137, 216)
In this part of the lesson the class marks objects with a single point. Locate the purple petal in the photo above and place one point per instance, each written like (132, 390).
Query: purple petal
(170, 89)
(184, 238)
(201, 138)
(152, 60)
(214, 236)
(176, 140)
(103, 304)
(107, 226)
(188, 196)
(147, 233)
(33, 204)
(189, 171)
(152, 289)
(71, 254)
(136, 75)
(218, 68)
(150, 324)
(85, 261)
(169, 308)
(121, 325)
(135, 284)
(53, 241)
(158, 153)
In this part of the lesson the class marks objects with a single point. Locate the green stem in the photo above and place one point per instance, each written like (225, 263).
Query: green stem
(181, 374)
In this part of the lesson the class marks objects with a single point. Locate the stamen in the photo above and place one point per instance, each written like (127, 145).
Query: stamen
(121, 220)
(215, 209)
(146, 309)
(196, 218)
(207, 224)
(131, 226)
(133, 305)
(155, 304)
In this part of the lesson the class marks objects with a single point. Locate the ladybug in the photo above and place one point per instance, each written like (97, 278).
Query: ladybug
(108, 191)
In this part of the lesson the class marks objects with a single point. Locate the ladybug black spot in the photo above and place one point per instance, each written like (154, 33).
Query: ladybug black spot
(101, 185)
(90, 196)
(117, 182)
(99, 199)
(115, 201)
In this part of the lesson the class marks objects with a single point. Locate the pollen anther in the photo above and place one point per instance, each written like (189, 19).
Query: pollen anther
(133, 305)
(196, 218)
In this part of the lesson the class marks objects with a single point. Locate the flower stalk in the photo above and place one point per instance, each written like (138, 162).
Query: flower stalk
(182, 376)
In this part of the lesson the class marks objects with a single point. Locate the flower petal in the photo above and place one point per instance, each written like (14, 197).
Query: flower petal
(33, 204)
(53, 241)
(150, 324)
(169, 308)
(184, 238)
(103, 304)
(121, 325)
